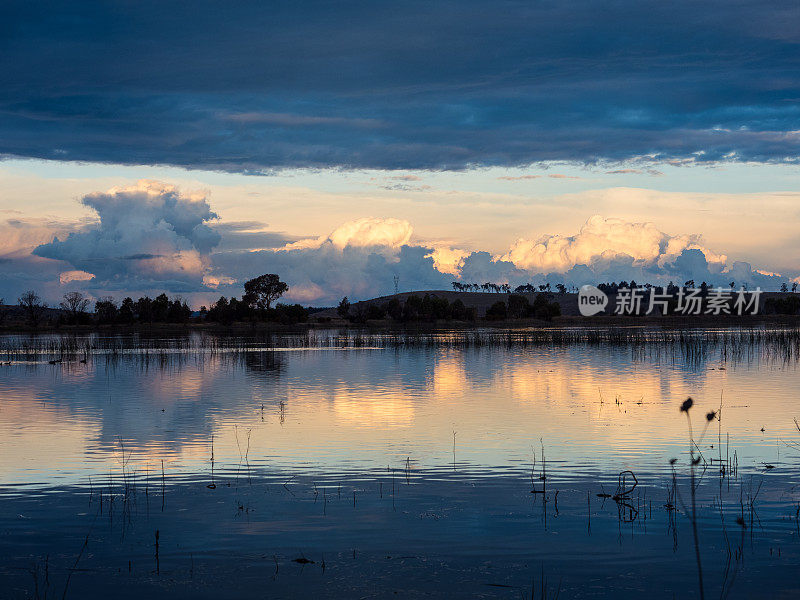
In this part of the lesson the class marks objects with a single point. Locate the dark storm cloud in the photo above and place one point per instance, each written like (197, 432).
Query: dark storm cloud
(255, 86)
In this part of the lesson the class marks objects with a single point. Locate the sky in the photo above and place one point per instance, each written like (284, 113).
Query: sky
(188, 147)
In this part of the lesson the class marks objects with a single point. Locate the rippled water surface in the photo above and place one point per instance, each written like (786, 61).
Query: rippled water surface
(297, 466)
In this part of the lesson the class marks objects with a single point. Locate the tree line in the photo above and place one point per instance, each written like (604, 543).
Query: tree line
(432, 308)
(607, 287)
(498, 288)
(256, 304)
(428, 308)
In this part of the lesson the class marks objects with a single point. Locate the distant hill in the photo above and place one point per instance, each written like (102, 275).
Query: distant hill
(480, 301)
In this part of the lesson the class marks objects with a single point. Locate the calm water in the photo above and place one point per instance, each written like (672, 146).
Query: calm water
(291, 468)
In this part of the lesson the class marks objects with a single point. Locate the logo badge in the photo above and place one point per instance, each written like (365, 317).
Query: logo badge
(591, 300)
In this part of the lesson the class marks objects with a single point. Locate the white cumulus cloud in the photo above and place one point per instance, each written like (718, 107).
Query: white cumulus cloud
(149, 234)
(152, 236)
(603, 239)
(361, 233)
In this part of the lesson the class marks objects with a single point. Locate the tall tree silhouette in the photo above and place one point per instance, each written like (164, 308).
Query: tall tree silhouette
(264, 290)
(33, 307)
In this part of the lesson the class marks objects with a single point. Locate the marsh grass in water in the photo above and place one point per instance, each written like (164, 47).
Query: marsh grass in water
(781, 344)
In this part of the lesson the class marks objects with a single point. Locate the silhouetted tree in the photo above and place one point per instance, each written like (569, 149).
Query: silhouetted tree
(242, 310)
(343, 310)
(375, 312)
(32, 306)
(435, 308)
(497, 311)
(412, 309)
(518, 306)
(220, 311)
(544, 309)
(143, 308)
(458, 311)
(75, 305)
(395, 310)
(105, 310)
(160, 308)
(264, 290)
(178, 312)
(288, 314)
(127, 313)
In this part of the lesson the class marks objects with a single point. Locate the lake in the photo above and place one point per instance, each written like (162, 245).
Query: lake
(330, 464)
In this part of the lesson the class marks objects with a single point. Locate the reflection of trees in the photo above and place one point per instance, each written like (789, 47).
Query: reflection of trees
(150, 399)
(264, 363)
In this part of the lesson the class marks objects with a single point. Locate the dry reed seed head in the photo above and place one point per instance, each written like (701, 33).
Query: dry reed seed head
(672, 461)
(710, 416)
(687, 404)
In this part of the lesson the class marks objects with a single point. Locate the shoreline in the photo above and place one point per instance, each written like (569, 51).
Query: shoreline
(562, 322)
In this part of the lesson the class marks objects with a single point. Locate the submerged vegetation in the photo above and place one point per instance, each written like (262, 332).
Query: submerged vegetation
(780, 344)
